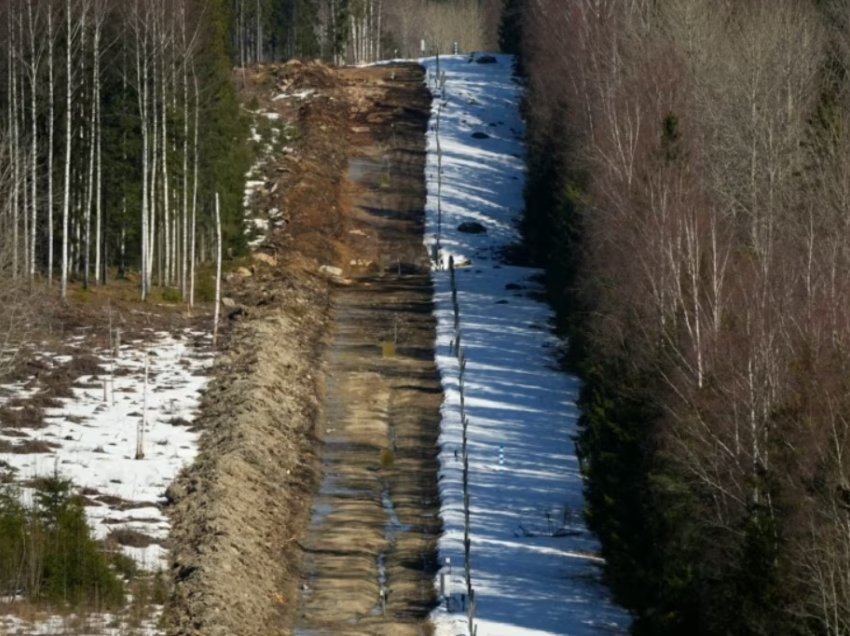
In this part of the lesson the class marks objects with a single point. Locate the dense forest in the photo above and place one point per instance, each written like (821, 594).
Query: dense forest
(119, 121)
(359, 31)
(689, 189)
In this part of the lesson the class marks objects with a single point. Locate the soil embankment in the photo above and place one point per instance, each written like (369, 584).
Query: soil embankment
(241, 514)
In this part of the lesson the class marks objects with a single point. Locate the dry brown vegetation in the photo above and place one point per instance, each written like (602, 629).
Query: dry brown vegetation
(21, 308)
(470, 23)
(701, 154)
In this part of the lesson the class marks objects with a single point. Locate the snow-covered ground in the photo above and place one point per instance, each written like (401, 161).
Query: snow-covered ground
(95, 434)
(535, 566)
(266, 138)
(270, 133)
(99, 624)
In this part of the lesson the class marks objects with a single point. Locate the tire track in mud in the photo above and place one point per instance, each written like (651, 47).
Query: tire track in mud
(369, 554)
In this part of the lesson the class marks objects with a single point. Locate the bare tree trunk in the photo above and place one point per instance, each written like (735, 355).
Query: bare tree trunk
(185, 202)
(34, 64)
(66, 202)
(154, 156)
(89, 197)
(98, 186)
(96, 106)
(50, 133)
(165, 272)
(194, 193)
(241, 30)
(259, 34)
(142, 91)
(14, 151)
(379, 52)
(24, 164)
(217, 310)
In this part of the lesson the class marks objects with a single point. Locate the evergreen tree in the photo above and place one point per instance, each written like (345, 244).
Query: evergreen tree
(510, 29)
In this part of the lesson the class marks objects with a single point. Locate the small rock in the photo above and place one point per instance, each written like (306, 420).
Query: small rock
(262, 257)
(244, 272)
(228, 302)
(330, 270)
(480, 135)
(486, 59)
(471, 227)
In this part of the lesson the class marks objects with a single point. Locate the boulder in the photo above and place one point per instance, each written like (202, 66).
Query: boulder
(486, 59)
(471, 227)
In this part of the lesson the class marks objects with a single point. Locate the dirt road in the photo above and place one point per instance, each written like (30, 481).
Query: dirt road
(370, 548)
(305, 400)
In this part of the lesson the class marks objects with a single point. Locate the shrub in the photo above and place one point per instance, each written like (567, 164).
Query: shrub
(172, 295)
(205, 283)
(47, 552)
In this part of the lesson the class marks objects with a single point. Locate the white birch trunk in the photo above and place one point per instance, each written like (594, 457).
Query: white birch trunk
(89, 198)
(165, 272)
(142, 80)
(185, 201)
(15, 157)
(217, 311)
(194, 195)
(98, 183)
(34, 61)
(153, 156)
(379, 52)
(50, 134)
(66, 201)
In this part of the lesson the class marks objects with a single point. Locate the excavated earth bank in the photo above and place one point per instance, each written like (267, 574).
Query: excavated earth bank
(242, 513)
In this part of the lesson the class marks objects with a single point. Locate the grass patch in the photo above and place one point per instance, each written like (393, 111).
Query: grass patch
(28, 416)
(129, 537)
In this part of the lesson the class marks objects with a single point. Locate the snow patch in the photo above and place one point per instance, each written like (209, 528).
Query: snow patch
(96, 434)
(536, 569)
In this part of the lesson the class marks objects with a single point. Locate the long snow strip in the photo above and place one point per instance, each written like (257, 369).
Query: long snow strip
(535, 567)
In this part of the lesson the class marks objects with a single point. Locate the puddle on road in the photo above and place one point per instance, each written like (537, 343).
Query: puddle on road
(392, 529)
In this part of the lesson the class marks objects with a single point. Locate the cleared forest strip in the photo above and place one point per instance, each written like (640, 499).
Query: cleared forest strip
(239, 508)
(370, 548)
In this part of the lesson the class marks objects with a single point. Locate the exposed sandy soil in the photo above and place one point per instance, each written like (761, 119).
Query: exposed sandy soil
(375, 522)
(304, 356)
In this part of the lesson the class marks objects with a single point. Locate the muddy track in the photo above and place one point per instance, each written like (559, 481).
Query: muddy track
(369, 553)
(304, 401)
